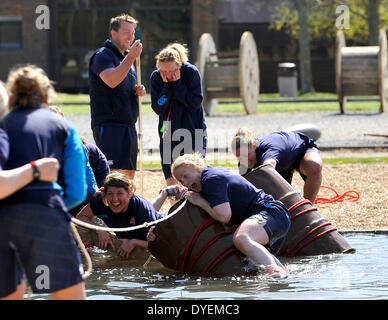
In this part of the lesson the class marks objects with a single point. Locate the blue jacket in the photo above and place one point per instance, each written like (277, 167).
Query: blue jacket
(182, 97)
(36, 133)
(107, 104)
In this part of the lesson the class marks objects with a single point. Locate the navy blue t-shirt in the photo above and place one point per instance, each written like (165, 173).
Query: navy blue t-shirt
(139, 210)
(98, 162)
(286, 148)
(4, 149)
(118, 104)
(220, 185)
(34, 133)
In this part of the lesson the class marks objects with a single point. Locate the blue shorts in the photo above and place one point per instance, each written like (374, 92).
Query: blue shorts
(118, 142)
(276, 222)
(36, 242)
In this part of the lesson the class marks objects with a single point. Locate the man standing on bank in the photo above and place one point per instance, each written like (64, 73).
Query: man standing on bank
(114, 94)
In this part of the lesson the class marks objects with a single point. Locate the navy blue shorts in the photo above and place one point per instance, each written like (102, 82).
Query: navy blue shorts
(36, 242)
(119, 144)
(276, 222)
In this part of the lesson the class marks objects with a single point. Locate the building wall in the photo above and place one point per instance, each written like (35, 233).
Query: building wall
(35, 42)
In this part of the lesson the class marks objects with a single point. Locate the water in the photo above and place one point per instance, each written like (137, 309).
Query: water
(363, 275)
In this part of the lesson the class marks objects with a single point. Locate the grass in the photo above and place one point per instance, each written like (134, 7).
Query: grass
(368, 160)
(152, 164)
(235, 107)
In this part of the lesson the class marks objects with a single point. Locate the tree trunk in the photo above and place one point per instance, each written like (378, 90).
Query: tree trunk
(304, 48)
(373, 22)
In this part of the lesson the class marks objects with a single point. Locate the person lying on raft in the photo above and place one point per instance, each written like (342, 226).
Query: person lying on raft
(285, 151)
(227, 196)
(119, 207)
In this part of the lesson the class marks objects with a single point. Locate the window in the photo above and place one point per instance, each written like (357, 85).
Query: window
(10, 32)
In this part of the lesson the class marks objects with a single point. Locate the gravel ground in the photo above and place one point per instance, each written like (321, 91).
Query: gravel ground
(370, 212)
(337, 130)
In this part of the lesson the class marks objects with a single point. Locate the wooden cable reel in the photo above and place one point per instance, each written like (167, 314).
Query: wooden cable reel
(361, 71)
(229, 76)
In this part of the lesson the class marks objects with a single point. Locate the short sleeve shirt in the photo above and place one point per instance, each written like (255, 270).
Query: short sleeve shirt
(139, 211)
(220, 185)
(286, 148)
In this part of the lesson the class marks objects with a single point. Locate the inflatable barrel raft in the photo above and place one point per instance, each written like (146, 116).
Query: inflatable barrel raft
(310, 233)
(192, 243)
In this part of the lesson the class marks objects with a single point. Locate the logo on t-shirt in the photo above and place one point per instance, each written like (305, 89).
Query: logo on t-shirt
(132, 221)
(162, 100)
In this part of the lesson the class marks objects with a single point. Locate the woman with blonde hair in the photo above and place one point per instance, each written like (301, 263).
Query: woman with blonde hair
(176, 96)
(285, 151)
(34, 220)
(225, 196)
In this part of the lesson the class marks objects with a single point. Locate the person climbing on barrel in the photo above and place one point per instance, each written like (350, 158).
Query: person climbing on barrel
(119, 207)
(226, 196)
(176, 96)
(285, 151)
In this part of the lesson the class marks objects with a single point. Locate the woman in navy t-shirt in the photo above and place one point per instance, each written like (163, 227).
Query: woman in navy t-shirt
(227, 196)
(119, 207)
(286, 152)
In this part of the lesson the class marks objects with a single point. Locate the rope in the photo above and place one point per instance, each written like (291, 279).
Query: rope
(350, 195)
(218, 258)
(191, 243)
(207, 245)
(140, 226)
(77, 237)
(291, 251)
(75, 221)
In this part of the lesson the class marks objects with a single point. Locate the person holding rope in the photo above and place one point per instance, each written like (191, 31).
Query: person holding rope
(226, 196)
(176, 97)
(35, 238)
(286, 152)
(119, 207)
(114, 93)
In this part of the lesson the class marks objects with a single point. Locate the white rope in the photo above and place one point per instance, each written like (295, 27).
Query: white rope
(144, 225)
(82, 248)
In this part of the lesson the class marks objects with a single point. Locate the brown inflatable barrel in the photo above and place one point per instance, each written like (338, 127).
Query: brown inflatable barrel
(192, 243)
(310, 233)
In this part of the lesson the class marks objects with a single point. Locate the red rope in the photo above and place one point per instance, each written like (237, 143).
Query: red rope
(350, 195)
(313, 239)
(191, 243)
(218, 258)
(290, 249)
(298, 204)
(303, 212)
(206, 246)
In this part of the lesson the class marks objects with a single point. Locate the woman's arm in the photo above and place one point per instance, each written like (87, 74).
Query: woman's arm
(221, 212)
(104, 237)
(15, 179)
(128, 245)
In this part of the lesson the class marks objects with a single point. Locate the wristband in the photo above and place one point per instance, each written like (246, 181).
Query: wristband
(36, 172)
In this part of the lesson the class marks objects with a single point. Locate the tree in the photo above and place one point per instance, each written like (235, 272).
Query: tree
(366, 18)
